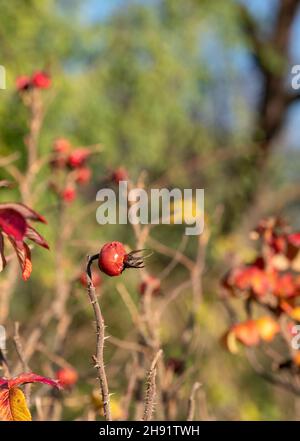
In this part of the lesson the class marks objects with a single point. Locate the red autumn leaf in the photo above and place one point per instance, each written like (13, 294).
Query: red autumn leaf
(30, 377)
(12, 223)
(25, 211)
(33, 235)
(13, 406)
(24, 256)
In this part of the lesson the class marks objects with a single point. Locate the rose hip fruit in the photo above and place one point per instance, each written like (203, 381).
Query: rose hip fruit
(41, 80)
(120, 174)
(83, 175)
(61, 145)
(67, 377)
(113, 259)
(69, 194)
(23, 82)
(78, 157)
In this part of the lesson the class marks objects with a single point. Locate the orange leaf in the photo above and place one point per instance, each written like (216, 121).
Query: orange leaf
(13, 406)
(246, 332)
(267, 328)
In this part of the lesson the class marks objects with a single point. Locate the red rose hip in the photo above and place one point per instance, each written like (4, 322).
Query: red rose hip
(112, 258)
(41, 80)
(67, 377)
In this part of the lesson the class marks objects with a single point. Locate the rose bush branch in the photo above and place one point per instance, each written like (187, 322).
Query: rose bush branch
(100, 338)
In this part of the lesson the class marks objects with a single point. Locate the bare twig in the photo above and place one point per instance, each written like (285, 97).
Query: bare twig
(151, 388)
(191, 406)
(19, 348)
(131, 387)
(21, 355)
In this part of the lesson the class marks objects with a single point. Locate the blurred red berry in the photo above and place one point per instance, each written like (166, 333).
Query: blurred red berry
(83, 175)
(61, 145)
(151, 284)
(176, 365)
(23, 82)
(67, 377)
(78, 157)
(247, 332)
(41, 80)
(120, 174)
(294, 239)
(96, 279)
(69, 194)
(285, 286)
(112, 258)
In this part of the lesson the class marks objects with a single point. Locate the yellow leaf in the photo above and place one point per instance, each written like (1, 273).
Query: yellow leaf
(229, 340)
(13, 406)
(295, 313)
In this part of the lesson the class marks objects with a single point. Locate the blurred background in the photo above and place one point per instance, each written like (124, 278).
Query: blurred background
(198, 95)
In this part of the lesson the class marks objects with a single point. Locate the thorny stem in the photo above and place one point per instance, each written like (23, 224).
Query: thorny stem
(191, 406)
(100, 334)
(151, 388)
(20, 352)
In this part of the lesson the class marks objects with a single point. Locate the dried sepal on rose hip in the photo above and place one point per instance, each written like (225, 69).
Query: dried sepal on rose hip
(113, 259)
